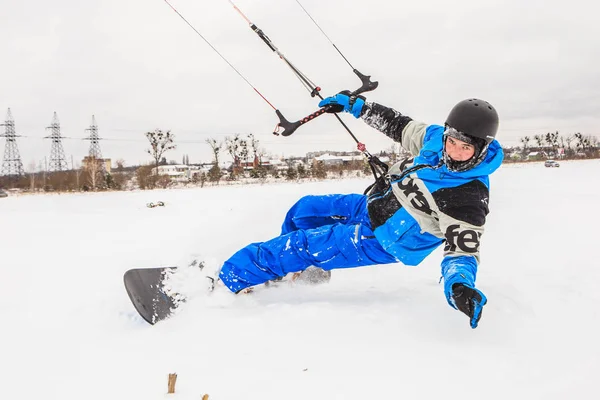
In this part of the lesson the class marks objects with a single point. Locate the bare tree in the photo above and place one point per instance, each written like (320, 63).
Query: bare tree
(214, 174)
(94, 172)
(552, 140)
(160, 143)
(233, 148)
(78, 171)
(582, 141)
(244, 151)
(394, 150)
(569, 139)
(41, 167)
(32, 176)
(261, 153)
(143, 175)
(253, 144)
(120, 164)
(291, 173)
(216, 149)
(318, 170)
(525, 140)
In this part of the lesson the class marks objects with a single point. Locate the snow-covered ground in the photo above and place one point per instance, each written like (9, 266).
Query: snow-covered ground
(68, 330)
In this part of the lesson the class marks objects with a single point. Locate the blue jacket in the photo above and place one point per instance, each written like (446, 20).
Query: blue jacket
(423, 205)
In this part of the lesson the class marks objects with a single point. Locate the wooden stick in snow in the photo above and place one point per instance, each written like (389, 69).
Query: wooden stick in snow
(172, 381)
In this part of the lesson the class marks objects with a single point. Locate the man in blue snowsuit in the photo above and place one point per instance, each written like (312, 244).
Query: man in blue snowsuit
(438, 197)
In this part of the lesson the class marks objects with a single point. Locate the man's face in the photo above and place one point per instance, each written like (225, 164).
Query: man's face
(459, 150)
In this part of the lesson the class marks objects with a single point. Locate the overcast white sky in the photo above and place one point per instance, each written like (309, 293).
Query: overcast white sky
(137, 66)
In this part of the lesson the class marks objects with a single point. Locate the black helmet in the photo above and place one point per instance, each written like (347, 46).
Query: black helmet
(476, 118)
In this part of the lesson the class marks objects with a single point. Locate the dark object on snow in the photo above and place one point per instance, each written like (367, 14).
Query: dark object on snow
(3, 194)
(146, 292)
(157, 204)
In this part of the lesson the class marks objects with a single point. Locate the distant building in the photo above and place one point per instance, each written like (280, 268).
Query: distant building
(182, 172)
(336, 159)
(273, 164)
(328, 159)
(537, 155)
(177, 172)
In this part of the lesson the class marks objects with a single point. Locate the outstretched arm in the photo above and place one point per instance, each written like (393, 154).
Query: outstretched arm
(400, 128)
(463, 211)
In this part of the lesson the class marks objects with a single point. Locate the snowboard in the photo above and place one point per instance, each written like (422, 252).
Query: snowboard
(145, 289)
(154, 302)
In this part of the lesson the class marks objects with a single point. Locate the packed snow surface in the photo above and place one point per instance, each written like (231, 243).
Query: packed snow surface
(69, 331)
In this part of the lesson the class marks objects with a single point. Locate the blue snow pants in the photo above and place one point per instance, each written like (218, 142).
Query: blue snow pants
(329, 232)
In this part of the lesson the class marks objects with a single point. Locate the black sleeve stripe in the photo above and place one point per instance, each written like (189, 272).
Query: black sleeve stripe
(386, 120)
(467, 203)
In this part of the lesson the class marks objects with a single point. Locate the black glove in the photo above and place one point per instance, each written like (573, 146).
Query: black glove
(343, 101)
(468, 300)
